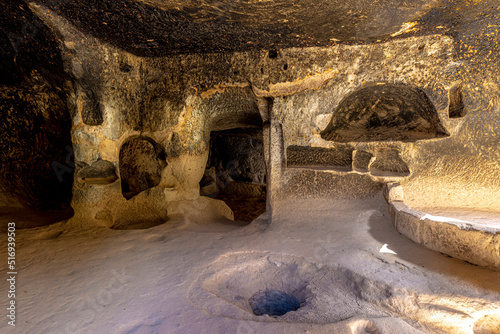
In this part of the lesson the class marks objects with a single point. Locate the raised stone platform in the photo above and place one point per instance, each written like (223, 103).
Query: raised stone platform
(467, 234)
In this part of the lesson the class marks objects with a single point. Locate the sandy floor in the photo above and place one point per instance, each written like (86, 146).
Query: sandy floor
(343, 261)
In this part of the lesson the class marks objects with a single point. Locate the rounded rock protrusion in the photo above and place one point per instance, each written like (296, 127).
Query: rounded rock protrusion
(488, 324)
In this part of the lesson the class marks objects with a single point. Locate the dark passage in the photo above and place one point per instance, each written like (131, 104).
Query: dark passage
(236, 172)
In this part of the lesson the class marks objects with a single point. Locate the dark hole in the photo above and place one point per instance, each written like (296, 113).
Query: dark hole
(285, 67)
(273, 303)
(273, 53)
(236, 72)
(262, 70)
(124, 67)
(456, 106)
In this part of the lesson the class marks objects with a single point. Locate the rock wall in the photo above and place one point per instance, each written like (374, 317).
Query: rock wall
(36, 163)
(175, 102)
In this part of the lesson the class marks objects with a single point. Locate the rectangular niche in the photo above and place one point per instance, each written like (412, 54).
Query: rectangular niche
(338, 158)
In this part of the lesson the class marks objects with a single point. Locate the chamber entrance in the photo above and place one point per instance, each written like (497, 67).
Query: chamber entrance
(236, 171)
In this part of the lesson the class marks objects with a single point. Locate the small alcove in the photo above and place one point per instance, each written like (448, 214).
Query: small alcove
(141, 161)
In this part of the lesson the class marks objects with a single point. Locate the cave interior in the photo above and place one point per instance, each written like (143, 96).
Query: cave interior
(250, 166)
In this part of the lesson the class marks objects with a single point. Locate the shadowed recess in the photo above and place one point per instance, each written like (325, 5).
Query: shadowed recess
(300, 156)
(234, 109)
(36, 157)
(236, 172)
(456, 108)
(384, 112)
(361, 160)
(141, 162)
(273, 303)
(100, 172)
(91, 108)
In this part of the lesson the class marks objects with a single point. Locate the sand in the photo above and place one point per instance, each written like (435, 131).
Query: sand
(350, 270)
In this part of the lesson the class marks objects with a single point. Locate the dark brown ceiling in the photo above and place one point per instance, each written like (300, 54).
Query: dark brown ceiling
(162, 27)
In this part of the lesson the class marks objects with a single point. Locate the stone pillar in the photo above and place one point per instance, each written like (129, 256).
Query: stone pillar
(274, 156)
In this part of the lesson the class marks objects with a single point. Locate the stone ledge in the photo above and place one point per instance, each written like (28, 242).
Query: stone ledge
(460, 239)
